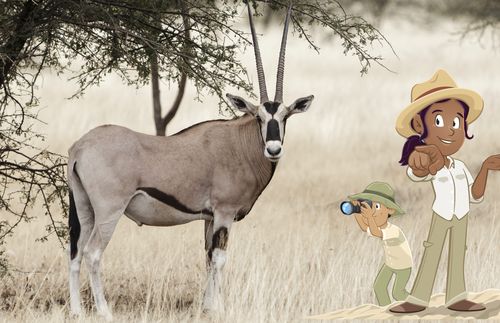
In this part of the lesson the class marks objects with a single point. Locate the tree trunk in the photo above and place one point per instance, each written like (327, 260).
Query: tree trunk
(161, 123)
(155, 84)
(14, 45)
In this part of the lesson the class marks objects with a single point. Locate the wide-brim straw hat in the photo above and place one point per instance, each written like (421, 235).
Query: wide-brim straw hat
(440, 87)
(379, 192)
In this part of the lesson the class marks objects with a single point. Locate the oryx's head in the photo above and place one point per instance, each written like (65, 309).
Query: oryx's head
(271, 115)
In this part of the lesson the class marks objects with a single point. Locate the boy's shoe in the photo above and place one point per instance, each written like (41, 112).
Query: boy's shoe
(407, 307)
(466, 306)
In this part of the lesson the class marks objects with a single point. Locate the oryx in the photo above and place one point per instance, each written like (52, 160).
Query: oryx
(213, 171)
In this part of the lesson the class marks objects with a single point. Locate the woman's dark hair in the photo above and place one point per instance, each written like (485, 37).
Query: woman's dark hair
(418, 140)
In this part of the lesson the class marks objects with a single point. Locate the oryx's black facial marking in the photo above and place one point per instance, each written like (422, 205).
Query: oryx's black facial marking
(271, 107)
(220, 239)
(169, 200)
(273, 130)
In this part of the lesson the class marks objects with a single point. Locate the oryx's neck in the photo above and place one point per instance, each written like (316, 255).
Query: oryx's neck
(252, 149)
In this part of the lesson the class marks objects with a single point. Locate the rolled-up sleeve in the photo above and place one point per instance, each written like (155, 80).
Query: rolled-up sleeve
(470, 181)
(415, 178)
(390, 232)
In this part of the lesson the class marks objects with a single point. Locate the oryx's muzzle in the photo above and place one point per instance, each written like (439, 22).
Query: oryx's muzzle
(273, 150)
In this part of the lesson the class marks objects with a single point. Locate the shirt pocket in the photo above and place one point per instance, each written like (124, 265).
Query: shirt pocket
(395, 241)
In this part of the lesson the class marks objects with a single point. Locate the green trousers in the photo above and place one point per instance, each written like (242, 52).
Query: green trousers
(399, 288)
(455, 283)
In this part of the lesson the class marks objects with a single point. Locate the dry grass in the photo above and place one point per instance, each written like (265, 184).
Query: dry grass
(294, 255)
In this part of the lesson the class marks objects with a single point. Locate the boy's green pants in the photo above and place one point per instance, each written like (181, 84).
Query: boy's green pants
(399, 288)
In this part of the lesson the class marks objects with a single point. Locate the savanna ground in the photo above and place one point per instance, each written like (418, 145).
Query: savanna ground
(295, 254)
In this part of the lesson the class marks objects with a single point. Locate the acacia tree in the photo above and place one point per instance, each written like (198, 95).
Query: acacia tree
(142, 41)
(479, 17)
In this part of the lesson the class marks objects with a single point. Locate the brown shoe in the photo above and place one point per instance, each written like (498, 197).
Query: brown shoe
(466, 306)
(407, 307)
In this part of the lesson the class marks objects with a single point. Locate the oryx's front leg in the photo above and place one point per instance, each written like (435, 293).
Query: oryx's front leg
(217, 258)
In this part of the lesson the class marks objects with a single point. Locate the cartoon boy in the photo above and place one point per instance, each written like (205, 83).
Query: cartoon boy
(373, 220)
(436, 126)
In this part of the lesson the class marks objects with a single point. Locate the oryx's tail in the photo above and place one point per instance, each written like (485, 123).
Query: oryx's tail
(74, 226)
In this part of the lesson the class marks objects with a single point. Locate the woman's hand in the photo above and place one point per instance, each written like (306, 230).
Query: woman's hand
(479, 186)
(492, 162)
(425, 160)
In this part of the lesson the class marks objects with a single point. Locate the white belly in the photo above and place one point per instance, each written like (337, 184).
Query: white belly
(144, 209)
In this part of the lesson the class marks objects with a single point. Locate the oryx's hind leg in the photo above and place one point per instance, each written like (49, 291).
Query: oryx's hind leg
(99, 239)
(209, 231)
(81, 223)
(223, 219)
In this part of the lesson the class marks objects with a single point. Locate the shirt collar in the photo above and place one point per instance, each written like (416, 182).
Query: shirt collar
(452, 162)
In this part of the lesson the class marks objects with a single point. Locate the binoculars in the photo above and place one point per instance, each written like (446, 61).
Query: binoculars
(348, 208)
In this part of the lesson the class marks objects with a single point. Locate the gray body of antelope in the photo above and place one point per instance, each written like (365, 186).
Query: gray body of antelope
(213, 171)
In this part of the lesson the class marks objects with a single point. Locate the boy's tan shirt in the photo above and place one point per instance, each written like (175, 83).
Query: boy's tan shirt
(396, 248)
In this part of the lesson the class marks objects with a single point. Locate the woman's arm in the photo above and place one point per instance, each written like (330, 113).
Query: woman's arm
(479, 186)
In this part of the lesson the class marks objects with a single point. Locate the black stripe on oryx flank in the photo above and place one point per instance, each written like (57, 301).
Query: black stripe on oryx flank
(74, 226)
(271, 107)
(273, 130)
(169, 200)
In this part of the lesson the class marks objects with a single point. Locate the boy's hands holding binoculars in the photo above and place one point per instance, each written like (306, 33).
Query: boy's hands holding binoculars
(425, 160)
(366, 210)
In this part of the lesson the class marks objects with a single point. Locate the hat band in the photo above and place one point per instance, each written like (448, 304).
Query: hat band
(432, 91)
(390, 198)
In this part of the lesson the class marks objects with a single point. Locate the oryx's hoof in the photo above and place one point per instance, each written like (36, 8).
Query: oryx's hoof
(75, 313)
(213, 306)
(107, 316)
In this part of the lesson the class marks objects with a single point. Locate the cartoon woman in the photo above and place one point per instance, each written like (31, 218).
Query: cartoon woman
(436, 125)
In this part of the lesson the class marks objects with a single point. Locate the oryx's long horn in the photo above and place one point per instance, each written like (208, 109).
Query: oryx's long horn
(258, 59)
(278, 97)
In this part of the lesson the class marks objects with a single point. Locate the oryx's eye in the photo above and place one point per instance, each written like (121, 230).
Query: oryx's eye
(456, 123)
(439, 121)
(259, 119)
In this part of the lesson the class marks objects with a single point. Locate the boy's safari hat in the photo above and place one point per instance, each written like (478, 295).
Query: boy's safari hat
(440, 87)
(379, 192)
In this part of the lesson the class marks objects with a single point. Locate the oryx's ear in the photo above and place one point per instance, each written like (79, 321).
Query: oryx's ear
(241, 104)
(300, 105)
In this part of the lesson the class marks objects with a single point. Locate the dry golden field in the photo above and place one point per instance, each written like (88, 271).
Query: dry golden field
(295, 255)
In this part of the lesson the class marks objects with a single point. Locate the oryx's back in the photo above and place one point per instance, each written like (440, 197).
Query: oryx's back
(117, 158)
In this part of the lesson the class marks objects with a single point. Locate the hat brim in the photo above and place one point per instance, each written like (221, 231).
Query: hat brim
(471, 98)
(376, 198)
